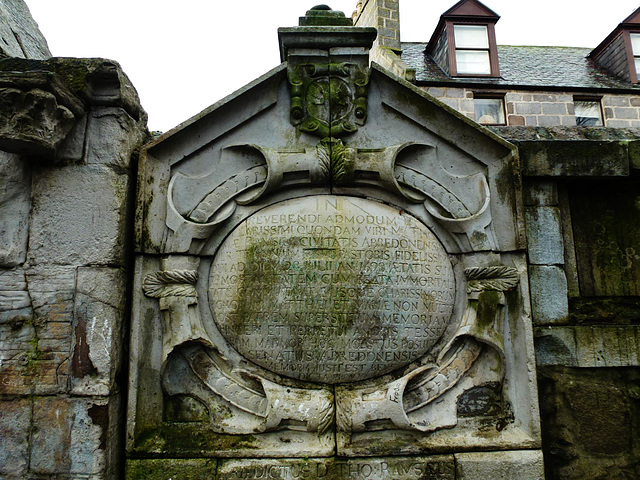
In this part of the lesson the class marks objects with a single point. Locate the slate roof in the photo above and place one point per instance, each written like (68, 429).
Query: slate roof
(565, 68)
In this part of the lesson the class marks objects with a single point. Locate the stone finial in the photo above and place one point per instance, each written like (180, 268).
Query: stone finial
(324, 16)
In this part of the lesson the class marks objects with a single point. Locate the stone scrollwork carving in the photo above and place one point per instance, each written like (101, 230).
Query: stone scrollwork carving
(399, 403)
(258, 405)
(194, 367)
(459, 202)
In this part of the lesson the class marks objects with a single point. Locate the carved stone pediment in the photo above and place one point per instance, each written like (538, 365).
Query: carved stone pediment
(330, 288)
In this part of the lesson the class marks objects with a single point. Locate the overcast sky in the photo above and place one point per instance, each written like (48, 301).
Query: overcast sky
(183, 56)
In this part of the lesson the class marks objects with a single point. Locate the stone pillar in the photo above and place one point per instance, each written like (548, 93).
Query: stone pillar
(549, 295)
(67, 182)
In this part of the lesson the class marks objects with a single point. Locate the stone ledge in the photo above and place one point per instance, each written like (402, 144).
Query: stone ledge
(515, 464)
(575, 151)
(588, 347)
(42, 100)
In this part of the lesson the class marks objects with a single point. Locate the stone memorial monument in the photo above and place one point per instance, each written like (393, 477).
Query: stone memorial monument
(330, 282)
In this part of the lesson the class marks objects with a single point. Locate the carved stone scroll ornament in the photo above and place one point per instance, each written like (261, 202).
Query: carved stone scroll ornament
(404, 403)
(256, 404)
(459, 203)
(279, 168)
(175, 289)
(194, 367)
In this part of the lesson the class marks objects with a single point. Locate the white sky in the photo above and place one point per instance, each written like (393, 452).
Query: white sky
(184, 56)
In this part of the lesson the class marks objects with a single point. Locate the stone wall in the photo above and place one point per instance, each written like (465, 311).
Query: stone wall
(581, 218)
(66, 210)
(544, 109)
(384, 15)
(68, 176)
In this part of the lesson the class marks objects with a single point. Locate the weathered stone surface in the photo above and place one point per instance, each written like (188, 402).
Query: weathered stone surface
(574, 151)
(607, 346)
(606, 229)
(112, 136)
(574, 158)
(36, 328)
(97, 330)
(15, 204)
(15, 302)
(521, 465)
(323, 289)
(51, 435)
(588, 347)
(173, 468)
(540, 192)
(32, 121)
(19, 33)
(426, 305)
(389, 468)
(549, 303)
(69, 436)
(72, 148)
(588, 419)
(77, 83)
(604, 310)
(15, 422)
(79, 216)
(544, 236)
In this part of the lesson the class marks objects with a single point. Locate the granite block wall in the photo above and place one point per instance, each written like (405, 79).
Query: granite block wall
(64, 272)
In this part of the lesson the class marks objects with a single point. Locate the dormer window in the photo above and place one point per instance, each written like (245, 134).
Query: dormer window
(635, 49)
(464, 42)
(619, 52)
(472, 49)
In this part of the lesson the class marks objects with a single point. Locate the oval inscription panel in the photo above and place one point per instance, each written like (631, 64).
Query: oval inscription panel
(331, 289)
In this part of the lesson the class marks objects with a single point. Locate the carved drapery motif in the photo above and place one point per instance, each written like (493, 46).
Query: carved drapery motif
(175, 289)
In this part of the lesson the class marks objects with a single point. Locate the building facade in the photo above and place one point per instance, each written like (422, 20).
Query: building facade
(574, 114)
(515, 167)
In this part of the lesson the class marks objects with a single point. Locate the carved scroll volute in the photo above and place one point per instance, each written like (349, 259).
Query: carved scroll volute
(174, 287)
(393, 406)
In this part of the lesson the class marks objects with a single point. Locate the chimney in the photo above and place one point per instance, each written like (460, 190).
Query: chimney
(384, 15)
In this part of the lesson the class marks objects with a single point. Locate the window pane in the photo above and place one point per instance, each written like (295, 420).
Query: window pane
(473, 61)
(637, 63)
(471, 36)
(489, 111)
(635, 43)
(587, 113)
